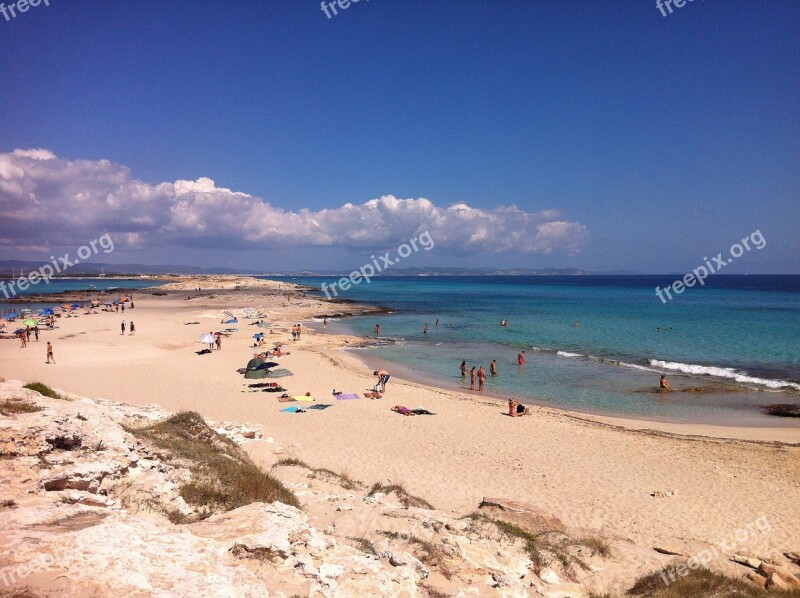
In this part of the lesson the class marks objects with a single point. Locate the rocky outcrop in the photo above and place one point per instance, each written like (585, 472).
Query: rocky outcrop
(86, 510)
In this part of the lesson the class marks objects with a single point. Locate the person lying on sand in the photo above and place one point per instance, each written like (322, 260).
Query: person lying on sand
(402, 410)
(517, 409)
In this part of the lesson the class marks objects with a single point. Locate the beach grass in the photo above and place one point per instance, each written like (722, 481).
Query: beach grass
(224, 477)
(544, 546)
(404, 496)
(425, 550)
(45, 390)
(344, 479)
(9, 407)
(701, 583)
(365, 545)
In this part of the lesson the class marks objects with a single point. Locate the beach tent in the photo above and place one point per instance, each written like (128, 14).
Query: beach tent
(253, 372)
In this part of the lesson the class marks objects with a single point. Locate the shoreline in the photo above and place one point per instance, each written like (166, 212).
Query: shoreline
(653, 483)
(759, 426)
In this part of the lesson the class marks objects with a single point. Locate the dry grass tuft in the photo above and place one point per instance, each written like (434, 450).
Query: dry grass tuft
(405, 497)
(224, 477)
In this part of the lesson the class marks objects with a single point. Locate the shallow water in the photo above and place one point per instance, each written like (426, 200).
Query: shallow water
(733, 341)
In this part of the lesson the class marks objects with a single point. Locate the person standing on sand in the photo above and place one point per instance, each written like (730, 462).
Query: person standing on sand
(472, 378)
(36, 333)
(122, 327)
(383, 378)
(23, 341)
(493, 367)
(463, 369)
(218, 341)
(123, 308)
(481, 378)
(50, 353)
(133, 329)
(521, 358)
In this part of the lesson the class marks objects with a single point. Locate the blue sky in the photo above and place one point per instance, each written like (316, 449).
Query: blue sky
(625, 139)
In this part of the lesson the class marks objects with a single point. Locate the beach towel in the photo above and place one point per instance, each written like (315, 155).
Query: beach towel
(279, 373)
(303, 398)
(293, 410)
(347, 397)
(319, 406)
(421, 412)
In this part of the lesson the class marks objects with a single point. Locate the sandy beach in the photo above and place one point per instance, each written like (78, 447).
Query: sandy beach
(654, 483)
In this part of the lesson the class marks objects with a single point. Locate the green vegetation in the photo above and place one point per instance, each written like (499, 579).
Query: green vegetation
(45, 390)
(407, 499)
(223, 476)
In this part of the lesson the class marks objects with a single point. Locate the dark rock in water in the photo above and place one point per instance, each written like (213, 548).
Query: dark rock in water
(782, 410)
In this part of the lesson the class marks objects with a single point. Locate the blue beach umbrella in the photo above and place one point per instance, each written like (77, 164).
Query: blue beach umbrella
(75, 305)
(48, 312)
(12, 316)
(258, 335)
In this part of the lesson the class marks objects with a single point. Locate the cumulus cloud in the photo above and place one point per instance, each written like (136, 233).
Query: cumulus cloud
(50, 201)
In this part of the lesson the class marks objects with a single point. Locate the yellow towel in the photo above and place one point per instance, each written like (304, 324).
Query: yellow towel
(303, 398)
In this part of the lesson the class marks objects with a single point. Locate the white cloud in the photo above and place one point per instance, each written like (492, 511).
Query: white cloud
(50, 201)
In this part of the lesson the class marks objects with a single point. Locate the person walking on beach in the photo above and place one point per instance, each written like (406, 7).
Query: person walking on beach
(50, 353)
(493, 367)
(122, 327)
(36, 333)
(218, 341)
(521, 358)
(123, 308)
(481, 378)
(294, 333)
(299, 330)
(383, 378)
(472, 378)
(133, 329)
(463, 369)
(437, 322)
(28, 334)
(23, 341)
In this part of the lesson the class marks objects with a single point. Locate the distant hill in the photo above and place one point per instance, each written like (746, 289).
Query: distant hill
(94, 269)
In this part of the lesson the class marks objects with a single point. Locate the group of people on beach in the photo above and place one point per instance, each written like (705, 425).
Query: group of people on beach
(479, 374)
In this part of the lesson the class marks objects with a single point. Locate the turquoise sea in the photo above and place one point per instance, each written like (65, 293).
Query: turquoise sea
(92, 287)
(728, 347)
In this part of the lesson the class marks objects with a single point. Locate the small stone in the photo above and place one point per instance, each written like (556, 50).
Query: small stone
(550, 577)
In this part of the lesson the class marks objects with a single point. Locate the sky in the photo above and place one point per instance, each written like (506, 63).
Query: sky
(266, 135)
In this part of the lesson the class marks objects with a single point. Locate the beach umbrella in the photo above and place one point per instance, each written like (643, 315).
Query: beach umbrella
(30, 322)
(12, 316)
(258, 335)
(266, 365)
(48, 312)
(18, 330)
(75, 305)
(208, 339)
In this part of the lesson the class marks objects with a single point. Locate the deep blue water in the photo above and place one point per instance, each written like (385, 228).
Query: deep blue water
(737, 339)
(58, 285)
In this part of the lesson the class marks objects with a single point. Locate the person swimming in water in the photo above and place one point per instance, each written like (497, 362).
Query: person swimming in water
(663, 384)
(493, 367)
(521, 358)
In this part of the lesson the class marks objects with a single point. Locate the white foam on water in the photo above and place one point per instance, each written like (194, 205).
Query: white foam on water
(721, 372)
